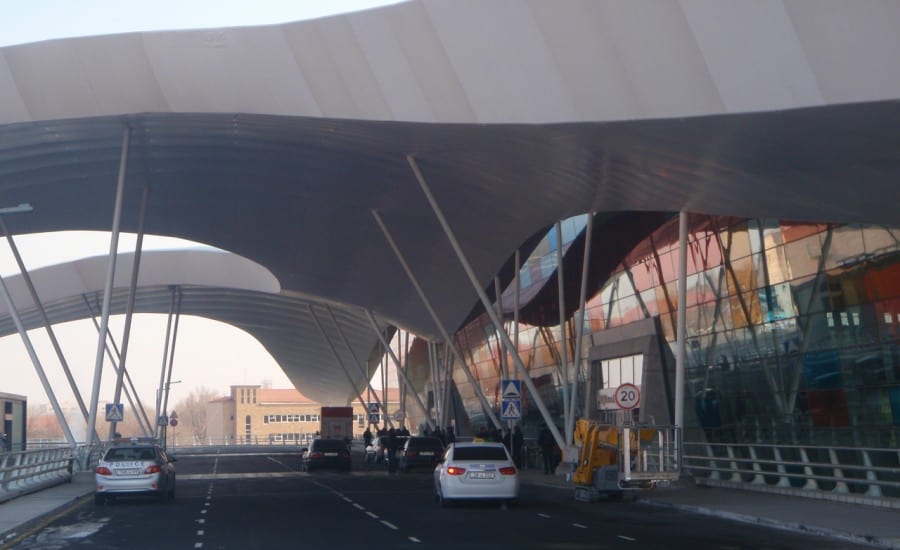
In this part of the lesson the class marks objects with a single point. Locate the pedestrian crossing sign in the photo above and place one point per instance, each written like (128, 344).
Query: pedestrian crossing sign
(512, 389)
(512, 409)
(115, 412)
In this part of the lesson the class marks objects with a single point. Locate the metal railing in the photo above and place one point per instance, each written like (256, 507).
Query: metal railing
(23, 472)
(861, 471)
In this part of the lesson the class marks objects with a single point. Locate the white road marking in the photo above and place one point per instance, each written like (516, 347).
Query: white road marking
(623, 537)
(200, 533)
(359, 506)
(198, 545)
(544, 515)
(208, 497)
(391, 525)
(206, 503)
(201, 521)
(350, 500)
(202, 511)
(579, 525)
(371, 515)
(414, 539)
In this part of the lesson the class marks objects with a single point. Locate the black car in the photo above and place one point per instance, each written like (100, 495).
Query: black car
(326, 453)
(420, 451)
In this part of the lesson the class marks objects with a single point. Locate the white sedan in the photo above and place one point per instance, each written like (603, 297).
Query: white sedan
(135, 469)
(476, 471)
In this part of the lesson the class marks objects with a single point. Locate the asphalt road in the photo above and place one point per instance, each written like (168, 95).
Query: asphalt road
(264, 501)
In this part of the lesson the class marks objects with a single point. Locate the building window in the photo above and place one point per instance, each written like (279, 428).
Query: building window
(247, 428)
(620, 370)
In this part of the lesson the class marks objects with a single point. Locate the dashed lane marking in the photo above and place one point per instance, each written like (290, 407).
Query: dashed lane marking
(391, 525)
(201, 521)
(623, 537)
(359, 506)
(371, 515)
(200, 533)
(350, 500)
(580, 526)
(414, 539)
(544, 515)
(198, 545)
(202, 511)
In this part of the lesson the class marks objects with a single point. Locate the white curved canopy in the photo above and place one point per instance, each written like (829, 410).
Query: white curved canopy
(277, 142)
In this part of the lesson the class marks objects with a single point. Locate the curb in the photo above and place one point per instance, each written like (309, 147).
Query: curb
(11, 536)
(777, 524)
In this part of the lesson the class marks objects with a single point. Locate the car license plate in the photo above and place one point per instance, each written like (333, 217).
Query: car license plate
(481, 475)
(331, 454)
(129, 472)
(427, 453)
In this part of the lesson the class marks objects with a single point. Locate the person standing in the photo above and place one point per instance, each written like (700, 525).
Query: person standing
(518, 441)
(367, 437)
(546, 443)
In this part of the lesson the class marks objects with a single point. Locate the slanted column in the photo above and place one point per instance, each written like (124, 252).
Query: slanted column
(107, 291)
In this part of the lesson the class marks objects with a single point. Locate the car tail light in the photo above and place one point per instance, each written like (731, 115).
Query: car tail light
(103, 471)
(508, 470)
(315, 455)
(345, 455)
(455, 470)
(153, 469)
(410, 454)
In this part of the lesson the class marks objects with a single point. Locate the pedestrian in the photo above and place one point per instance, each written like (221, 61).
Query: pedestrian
(367, 437)
(546, 443)
(518, 442)
(450, 435)
(390, 450)
(5, 447)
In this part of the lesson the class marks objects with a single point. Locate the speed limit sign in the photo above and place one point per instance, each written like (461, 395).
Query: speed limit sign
(628, 396)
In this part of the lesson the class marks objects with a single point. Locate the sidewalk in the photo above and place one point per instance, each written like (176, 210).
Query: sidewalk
(860, 524)
(20, 514)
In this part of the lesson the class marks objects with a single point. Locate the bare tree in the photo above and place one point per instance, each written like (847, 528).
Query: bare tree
(192, 411)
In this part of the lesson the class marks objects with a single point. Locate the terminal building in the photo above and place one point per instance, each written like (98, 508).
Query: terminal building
(13, 436)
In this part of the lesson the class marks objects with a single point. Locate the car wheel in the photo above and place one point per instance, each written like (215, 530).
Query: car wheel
(99, 499)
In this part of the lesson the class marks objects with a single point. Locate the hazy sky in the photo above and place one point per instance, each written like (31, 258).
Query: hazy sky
(208, 353)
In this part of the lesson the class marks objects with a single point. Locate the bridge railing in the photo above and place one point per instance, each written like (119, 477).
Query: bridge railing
(856, 473)
(23, 472)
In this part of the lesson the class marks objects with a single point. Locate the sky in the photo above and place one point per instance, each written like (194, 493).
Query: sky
(208, 353)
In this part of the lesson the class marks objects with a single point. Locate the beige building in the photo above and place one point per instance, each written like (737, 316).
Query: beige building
(258, 415)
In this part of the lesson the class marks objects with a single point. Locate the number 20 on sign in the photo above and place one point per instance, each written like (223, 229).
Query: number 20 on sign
(628, 396)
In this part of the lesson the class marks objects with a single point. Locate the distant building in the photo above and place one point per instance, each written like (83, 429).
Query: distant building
(258, 415)
(12, 436)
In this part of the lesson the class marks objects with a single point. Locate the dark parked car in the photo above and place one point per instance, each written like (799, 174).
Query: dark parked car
(326, 453)
(420, 451)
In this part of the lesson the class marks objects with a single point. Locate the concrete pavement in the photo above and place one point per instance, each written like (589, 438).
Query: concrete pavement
(878, 527)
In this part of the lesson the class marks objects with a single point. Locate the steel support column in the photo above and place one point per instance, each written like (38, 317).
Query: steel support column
(563, 339)
(437, 321)
(579, 335)
(129, 311)
(107, 291)
(162, 370)
(47, 325)
(485, 302)
(680, 327)
(165, 396)
(359, 365)
(37, 365)
(336, 355)
(400, 374)
(113, 356)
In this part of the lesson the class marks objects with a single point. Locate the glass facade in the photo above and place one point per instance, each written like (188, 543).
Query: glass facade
(792, 331)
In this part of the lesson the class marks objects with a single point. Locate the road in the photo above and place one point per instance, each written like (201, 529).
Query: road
(264, 501)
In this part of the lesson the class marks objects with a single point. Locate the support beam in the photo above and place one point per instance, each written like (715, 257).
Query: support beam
(162, 371)
(579, 335)
(107, 291)
(129, 310)
(359, 365)
(165, 392)
(400, 374)
(335, 354)
(680, 327)
(563, 340)
(437, 321)
(113, 355)
(46, 320)
(485, 302)
(7, 299)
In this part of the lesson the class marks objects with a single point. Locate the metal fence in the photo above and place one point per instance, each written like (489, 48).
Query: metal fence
(864, 472)
(24, 472)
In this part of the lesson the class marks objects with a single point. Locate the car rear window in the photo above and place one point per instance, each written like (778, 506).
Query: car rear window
(425, 444)
(329, 445)
(479, 453)
(131, 453)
